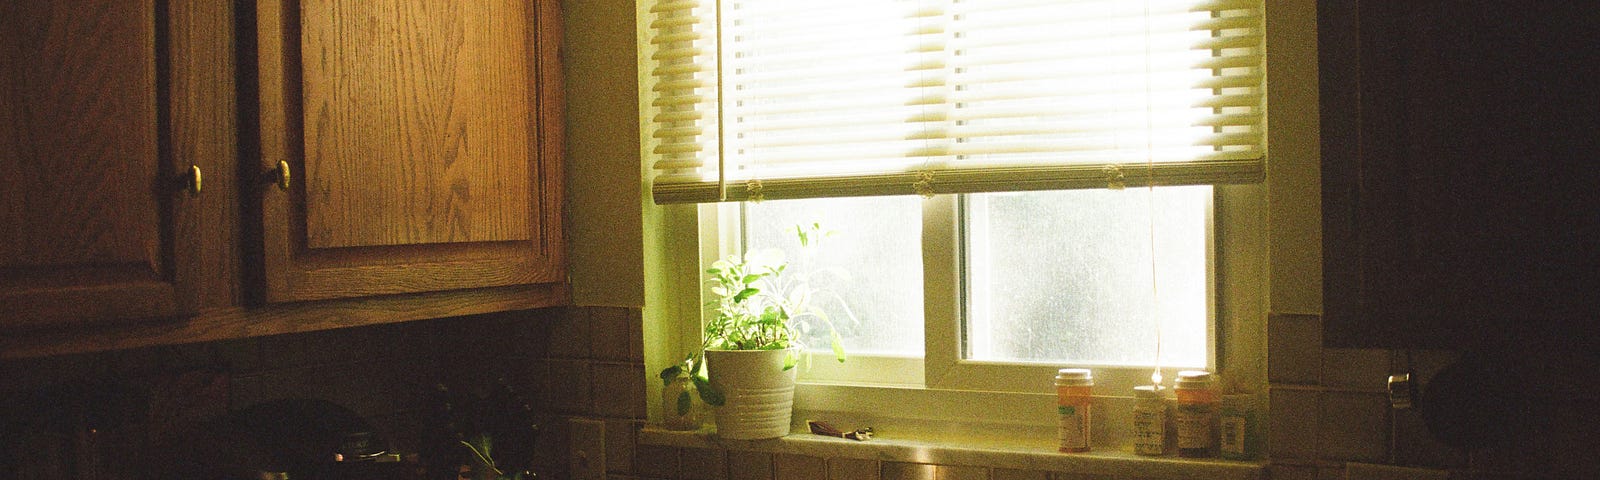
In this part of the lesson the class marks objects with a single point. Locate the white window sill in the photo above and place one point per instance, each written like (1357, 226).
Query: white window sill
(995, 453)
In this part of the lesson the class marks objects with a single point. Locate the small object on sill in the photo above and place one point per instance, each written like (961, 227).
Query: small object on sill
(823, 428)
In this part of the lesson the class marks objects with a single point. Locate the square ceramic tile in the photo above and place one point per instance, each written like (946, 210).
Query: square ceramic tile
(586, 446)
(622, 438)
(1415, 446)
(1013, 474)
(242, 355)
(1370, 471)
(1354, 427)
(552, 457)
(1294, 349)
(747, 465)
(909, 471)
(611, 333)
(570, 333)
(1293, 424)
(1293, 472)
(852, 469)
(568, 386)
(1365, 369)
(636, 335)
(656, 461)
(952, 472)
(619, 390)
(703, 464)
(799, 467)
(1084, 476)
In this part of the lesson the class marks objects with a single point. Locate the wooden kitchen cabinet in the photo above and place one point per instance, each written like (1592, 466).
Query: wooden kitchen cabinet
(1460, 182)
(423, 141)
(96, 147)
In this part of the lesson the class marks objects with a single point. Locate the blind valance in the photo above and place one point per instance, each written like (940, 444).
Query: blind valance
(753, 99)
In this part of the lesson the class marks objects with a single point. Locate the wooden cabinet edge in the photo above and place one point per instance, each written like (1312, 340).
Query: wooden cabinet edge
(230, 323)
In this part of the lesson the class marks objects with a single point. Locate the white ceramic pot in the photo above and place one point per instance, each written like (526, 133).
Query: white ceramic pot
(759, 392)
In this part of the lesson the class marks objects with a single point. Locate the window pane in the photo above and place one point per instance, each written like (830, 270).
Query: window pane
(1065, 277)
(868, 274)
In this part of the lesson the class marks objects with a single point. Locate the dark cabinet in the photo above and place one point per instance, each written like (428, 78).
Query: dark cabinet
(93, 212)
(1460, 172)
(423, 142)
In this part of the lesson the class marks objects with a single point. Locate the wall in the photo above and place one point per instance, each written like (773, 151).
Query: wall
(605, 234)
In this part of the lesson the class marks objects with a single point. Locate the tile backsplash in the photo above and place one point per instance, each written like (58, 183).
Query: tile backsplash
(572, 361)
(1328, 406)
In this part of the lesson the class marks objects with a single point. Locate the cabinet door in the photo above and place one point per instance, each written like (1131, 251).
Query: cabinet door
(1461, 193)
(90, 198)
(422, 141)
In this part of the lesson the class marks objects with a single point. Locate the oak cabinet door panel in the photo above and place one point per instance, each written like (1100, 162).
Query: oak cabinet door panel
(422, 141)
(90, 209)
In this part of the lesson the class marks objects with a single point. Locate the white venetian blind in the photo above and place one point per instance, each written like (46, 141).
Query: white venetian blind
(771, 99)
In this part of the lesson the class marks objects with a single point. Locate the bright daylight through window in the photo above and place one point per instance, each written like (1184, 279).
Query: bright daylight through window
(1030, 181)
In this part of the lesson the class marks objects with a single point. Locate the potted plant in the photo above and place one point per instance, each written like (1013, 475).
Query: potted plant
(752, 341)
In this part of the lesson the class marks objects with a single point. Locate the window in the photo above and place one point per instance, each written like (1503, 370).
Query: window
(1047, 279)
(1022, 184)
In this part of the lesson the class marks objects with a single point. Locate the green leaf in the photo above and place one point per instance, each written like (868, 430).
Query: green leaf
(683, 403)
(771, 317)
(483, 444)
(671, 373)
(708, 393)
(789, 360)
(746, 293)
(838, 345)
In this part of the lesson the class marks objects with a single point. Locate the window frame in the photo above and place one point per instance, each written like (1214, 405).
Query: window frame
(687, 242)
(1233, 351)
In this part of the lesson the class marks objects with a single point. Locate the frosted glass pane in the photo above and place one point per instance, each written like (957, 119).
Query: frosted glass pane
(870, 270)
(1065, 277)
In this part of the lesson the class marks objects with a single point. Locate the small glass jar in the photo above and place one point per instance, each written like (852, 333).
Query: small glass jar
(678, 409)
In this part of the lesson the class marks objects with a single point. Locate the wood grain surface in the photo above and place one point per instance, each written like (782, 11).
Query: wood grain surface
(78, 133)
(226, 323)
(418, 122)
(427, 140)
(90, 200)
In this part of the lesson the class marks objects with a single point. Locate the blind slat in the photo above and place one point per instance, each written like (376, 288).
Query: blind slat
(845, 98)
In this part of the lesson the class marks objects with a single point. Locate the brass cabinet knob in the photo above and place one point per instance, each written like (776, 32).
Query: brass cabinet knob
(192, 181)
(281, 175)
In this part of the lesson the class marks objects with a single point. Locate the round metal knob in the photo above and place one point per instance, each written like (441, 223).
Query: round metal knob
(193, 181)
(281, 175)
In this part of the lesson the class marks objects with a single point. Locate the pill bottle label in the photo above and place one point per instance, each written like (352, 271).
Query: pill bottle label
(1149, 431)
(1194, 425)
(1074, 430)
(1233, 433)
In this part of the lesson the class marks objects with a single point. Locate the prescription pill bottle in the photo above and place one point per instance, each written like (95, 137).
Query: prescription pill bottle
(1073, 387)
(1150, 420)
(1196, 414)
